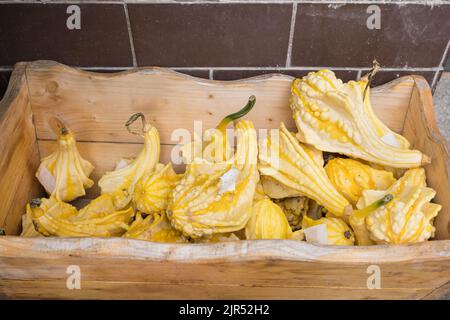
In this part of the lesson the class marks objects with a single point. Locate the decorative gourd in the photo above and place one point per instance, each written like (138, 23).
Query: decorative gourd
(121, 183)
(336, 117)
(152, 191)
(217, 196)
(64, 173)
(357, 220)
(351, 177)
(408, 217)
(267, 222)
(59, 219)
(298, 171)
(155, 227)
(337, 232)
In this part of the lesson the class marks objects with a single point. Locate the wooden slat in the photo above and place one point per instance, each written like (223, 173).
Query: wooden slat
(423, 133)
(142, 290)
(95, 106)
(266, 268)
(20, 156)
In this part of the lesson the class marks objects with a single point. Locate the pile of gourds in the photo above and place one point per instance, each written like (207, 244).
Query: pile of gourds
(371, 189)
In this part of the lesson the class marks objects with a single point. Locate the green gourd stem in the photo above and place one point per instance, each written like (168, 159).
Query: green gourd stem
(64, 131)
(374, 206)
(2, 232)
(234, 116)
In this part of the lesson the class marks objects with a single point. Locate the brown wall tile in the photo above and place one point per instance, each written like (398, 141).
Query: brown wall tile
(38, 31)
(4, 80)
(210, 35)
(195, 73)
(410, 35)
(385, 76)
(242, 74)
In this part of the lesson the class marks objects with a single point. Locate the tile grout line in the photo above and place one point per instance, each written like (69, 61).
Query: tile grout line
(399, 2)
(297, 68)
(130, 34)
(441, 64)
(291, 35)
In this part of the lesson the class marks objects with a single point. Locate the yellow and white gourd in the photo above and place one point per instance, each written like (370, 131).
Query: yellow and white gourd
(336, 117)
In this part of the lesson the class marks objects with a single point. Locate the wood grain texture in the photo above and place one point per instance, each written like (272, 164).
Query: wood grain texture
(170, 101)
(51, 289)
(422, 131)
(20, 157)
(261, 269)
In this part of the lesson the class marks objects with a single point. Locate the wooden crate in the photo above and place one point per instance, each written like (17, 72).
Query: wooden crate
(95, 107)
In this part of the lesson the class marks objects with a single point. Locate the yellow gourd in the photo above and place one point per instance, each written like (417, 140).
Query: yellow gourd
(357, 220)
(216, 195)
(337, 231)
(60, 219)
(408, 218)
(338, 117)
(267, 222)
(351, 177)
(120, 183)
(152, 191)
(155, 227)
(64, 173)
(297, 171)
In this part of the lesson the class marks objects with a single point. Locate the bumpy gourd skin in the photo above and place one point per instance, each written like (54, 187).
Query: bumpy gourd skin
(120, 183)
(267, 222)
(338, 232)
(155, 227)
(60, 219)
(200, 207)
(408, 217)
(152, 191)
(351, 177)
(298, 171)
(64, 173)
(335, 117)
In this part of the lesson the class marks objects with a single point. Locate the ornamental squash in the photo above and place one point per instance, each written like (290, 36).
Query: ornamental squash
(155, 227)
(121, 183)
(297, 171)
(56, 218)
(337, 117)
(330, 230)
(216, 195)
(408, 218)
(351, 177)
(152, 191)
(357, 220)
(64, 173)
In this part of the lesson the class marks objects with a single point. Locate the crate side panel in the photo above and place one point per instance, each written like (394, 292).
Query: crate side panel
(95, 106)
(20, 157)
(423, 133)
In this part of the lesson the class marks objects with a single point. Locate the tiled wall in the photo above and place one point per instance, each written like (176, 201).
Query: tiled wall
(228, 40)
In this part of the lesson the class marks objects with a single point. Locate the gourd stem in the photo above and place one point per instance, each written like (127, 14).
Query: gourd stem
(374, 206)
(2, 232)
(132, 119)
(234, 116)
(36, 202)
(369, 76)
